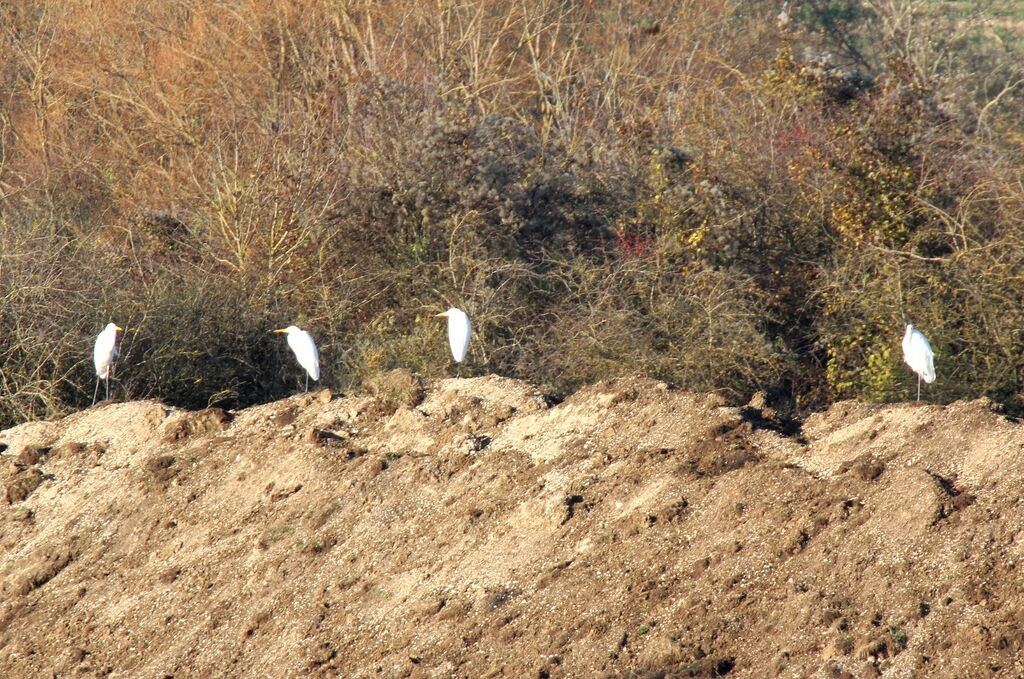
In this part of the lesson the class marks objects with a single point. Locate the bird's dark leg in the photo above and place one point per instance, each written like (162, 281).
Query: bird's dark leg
(106, 383)
(307, 384)
(918, 388)
(96, 391)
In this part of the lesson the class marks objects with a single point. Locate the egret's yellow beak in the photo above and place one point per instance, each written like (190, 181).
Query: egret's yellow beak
(118, 328)
(443, 314)
(281, 330)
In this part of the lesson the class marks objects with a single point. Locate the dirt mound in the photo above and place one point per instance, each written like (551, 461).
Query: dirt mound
(470, 530)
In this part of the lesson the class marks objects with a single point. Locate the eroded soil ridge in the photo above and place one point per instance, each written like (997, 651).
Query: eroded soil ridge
(468, 529)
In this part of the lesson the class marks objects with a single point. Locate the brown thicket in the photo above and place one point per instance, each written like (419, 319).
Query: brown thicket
(705, 192)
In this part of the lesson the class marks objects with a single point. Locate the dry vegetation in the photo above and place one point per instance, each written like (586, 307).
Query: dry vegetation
(682, 189)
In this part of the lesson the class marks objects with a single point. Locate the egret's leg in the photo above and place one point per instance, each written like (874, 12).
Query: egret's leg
(96, 391)
(307, 384)
(918, 388)
(106, 382)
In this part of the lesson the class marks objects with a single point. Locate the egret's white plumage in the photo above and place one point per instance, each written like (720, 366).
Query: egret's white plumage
(458, 332)
(917, 352)
(104, 353)
(302, 344)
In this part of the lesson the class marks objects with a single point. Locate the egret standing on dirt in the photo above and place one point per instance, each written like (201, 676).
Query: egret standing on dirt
(458, 332)
(103, 356)
(918, 355)
(304, 347)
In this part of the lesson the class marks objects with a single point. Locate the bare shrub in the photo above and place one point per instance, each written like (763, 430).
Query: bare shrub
(695, 191)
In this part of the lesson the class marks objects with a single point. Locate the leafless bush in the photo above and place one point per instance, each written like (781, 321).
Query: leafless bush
(680, 190)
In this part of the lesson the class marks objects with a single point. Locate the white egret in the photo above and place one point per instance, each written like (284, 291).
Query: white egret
(304, 347)
(103, 355)
(458, 332)
(918, 355)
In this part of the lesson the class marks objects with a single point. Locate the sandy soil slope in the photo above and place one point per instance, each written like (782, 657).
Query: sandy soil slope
(470, 530)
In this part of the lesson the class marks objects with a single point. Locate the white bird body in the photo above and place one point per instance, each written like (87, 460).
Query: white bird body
(459, 330)
(304, 348)
(917, 353)
(104, 353)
